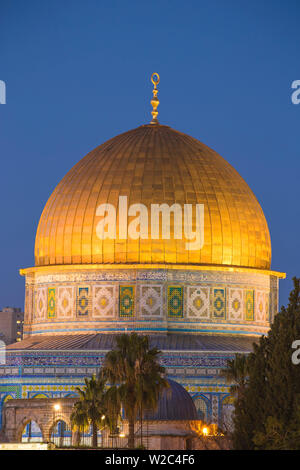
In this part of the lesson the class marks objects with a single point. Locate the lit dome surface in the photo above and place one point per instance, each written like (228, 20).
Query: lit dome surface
(153, 164)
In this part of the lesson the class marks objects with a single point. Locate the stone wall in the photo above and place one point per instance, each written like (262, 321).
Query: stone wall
(157, 435)
(17, 413)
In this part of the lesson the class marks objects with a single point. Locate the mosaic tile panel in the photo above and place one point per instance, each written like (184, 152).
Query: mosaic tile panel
(175, 302)
(261, 305)
(249, 305)
(215, 409)
(126, 301)
(40, 303)
(6, 389)
(28, 303)
(103, 301)
(219, 303)
(273, 309)
(51, 311)
(151, 301)
(65, 301)
(201, 407)
(235, 304)
(83, 301)
(268, 313)
(198, 305)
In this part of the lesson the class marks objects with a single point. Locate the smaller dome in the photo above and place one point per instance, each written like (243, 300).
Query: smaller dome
(174, 404)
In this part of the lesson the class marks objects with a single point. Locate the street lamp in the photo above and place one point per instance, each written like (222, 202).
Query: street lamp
(205, 431)
(56, 409)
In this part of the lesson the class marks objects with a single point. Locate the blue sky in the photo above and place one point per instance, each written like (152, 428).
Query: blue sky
(77, 73)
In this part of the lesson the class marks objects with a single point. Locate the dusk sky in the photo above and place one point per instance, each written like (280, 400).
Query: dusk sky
(78, 73)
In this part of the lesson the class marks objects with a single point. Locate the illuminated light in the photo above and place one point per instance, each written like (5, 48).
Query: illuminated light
(237, 247)
(56, 407)
(205, 431)
(103, 417)
(88, 267)
(121, 434)
(24, 446)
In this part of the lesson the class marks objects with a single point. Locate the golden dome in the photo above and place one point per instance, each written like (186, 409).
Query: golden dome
(153, 164)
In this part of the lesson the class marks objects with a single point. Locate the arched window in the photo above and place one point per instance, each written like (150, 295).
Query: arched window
(61, 434)
(32, 432)
(201, 408)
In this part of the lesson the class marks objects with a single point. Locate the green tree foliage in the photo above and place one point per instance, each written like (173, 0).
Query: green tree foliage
(267, 413)
(236, 374)
(135, 375)
(79, 419)
(113, 409)
(91, 407)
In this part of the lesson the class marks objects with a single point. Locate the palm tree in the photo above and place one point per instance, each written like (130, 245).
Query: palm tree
(113, 409)
(134, 371)
(236, 374)
(90, 408)
(79, 419)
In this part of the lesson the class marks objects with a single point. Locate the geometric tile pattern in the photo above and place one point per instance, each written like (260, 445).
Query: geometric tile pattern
(65, 301)
(126, 301)
(227, 410)
(28, 304)
(267, 307)
(219, 303)
(201, 407)
(40, 303)
(215, 409)
(273, 309)
(83, 301)
(151, 301)
(103, 301)
(235, 301)
(175, 302)
(261, 305)
(51, 303)
(198, 302)
(249, 305)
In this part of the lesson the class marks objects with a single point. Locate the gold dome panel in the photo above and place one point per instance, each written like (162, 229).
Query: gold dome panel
(153, 164)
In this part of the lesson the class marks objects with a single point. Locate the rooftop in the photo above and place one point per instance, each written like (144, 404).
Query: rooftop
(105, 342)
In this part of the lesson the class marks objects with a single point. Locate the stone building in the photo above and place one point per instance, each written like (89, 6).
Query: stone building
(168, 427)
(11, 325)
(98, 272)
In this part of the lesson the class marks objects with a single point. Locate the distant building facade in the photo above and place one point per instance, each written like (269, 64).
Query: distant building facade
(11, 325)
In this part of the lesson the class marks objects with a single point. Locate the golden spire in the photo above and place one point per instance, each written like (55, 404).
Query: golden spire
(155, 102)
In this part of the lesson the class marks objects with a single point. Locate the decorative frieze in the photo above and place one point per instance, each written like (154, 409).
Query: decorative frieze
(167, 275)
(175, 301)
(198, 302)
(65, 301)
(219, 303)
(235, 307)
(40, 304)
(104, 301)
(151, 301)
(126, 301)
(249, 305)
(165, 298)
(51, 303)
(83, 301)
(261, 305)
